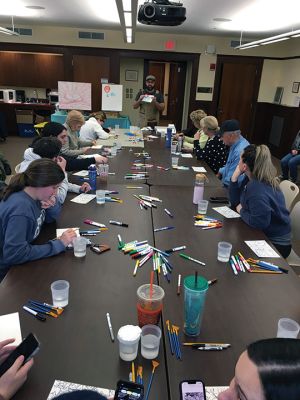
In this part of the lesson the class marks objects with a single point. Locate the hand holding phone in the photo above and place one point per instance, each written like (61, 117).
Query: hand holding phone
(192, 390)
(28, 348)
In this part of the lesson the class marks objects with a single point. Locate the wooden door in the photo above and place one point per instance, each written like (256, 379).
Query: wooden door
(170, 80)
(91, 69)
(239, 82)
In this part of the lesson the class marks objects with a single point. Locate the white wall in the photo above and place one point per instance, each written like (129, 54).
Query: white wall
(279, 73)
(132, 64)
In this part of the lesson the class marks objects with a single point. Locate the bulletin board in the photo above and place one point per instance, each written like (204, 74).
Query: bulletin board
(74, 95)
(112, 97)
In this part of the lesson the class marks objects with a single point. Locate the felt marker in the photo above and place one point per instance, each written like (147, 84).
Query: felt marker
(175, 249)
(212, 282)
(191, 259)
(164, 228)
(168, 212)
(179, 285)
(90, 222)
(118, 223)
(35, 314)
(110, 327)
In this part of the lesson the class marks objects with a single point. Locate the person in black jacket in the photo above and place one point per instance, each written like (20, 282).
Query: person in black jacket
(214, 152)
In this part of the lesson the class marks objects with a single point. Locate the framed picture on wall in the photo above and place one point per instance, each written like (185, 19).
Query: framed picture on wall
(278, 95)
(295, 87)
(131, 75)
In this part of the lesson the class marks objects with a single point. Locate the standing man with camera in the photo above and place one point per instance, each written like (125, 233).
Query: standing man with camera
(150, 103)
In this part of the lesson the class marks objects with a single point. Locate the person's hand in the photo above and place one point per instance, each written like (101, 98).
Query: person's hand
(236, 174)
(61, 162)
(68, 236)
(100, 159)
(85, 149)
(238, 208)
(294, 152)
(94, 142)
(219, 175)
(14, 378)
(141, 97)
(48, 203)
(197, 135)
(5, 350)
(85, 187)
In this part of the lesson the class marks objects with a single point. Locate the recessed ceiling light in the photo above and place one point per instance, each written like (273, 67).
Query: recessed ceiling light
(35, 7)
(222, 19)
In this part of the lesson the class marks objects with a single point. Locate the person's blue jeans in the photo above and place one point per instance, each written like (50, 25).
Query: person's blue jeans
(289, 164)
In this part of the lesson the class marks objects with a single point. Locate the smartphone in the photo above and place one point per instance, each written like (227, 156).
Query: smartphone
(218, 200)
(28, 348)
(129, 391)
(192, 390)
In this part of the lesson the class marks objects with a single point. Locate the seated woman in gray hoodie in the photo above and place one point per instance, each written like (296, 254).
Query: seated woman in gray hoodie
(50, 148)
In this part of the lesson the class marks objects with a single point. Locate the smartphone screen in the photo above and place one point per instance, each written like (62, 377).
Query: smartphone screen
(192, 390)
(28, 348)
(129, 391)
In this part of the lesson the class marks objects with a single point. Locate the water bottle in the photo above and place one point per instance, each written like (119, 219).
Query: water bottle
(114, 149)
(199, 188)
(93, 176)
(179, 144)
(168, 137)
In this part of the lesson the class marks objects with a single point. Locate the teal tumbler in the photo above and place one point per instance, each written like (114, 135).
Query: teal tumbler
(194, 300)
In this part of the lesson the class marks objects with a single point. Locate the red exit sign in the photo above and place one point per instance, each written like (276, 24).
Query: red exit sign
(170, 45)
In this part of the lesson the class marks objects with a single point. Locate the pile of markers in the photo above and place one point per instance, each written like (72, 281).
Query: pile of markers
(137, 175)
(207, 222)
(263, 267)
(142, 252)
(146, 202)
(173, 337)
(40, 310)
(240, 264)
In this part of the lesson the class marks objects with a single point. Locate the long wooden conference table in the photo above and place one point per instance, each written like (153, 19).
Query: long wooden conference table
(76, 347)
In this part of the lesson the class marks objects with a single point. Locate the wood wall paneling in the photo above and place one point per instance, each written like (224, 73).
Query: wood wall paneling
(91, 69)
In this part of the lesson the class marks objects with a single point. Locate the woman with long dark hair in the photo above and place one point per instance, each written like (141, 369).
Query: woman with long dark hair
(26, 203)
(259, 199)
(268, 370)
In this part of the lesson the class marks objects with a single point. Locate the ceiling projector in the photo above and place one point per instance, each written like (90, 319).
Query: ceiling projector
(161, 12)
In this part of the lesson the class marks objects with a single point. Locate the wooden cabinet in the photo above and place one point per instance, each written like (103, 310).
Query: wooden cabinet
(31, 70)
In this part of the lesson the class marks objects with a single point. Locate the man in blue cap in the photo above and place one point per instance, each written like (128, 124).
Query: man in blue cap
(231, 135)
(150, 103)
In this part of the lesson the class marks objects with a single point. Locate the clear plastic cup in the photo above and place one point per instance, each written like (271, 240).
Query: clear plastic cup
(102, 170)
(60, 293)
(100, 196)
(150, 340)
(173, 147)
(288, 328)
(129, 337)
(79, 245)
(202, 206)
(175, 161)
(149, 305)
(224, 251)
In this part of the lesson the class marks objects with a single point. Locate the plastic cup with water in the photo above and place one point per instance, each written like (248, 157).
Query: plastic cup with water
(150, 340)
(100, 197)
(60, 293)
(224, 251)
(202, 206)
(79, 246)
(288, 328)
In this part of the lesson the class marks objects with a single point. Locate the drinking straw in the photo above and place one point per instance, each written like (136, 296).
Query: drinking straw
(151, 284)
(196, 278)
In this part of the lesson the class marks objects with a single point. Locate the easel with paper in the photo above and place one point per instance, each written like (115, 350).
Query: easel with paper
(112, 97)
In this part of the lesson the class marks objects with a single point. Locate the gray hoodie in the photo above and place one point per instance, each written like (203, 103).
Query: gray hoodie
(64, 187)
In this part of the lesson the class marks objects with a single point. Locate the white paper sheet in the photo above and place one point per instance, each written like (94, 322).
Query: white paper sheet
(10, 328)
(83, 198)
(186, 155)
(199, 169)
(98, 146)
(81, 173)
(261, 248)
(88, 155)
(61, 387)
(182, 168)
(226, 212)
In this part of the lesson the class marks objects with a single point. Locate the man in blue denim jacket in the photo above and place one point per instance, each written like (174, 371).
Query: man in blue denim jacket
(231, 135)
